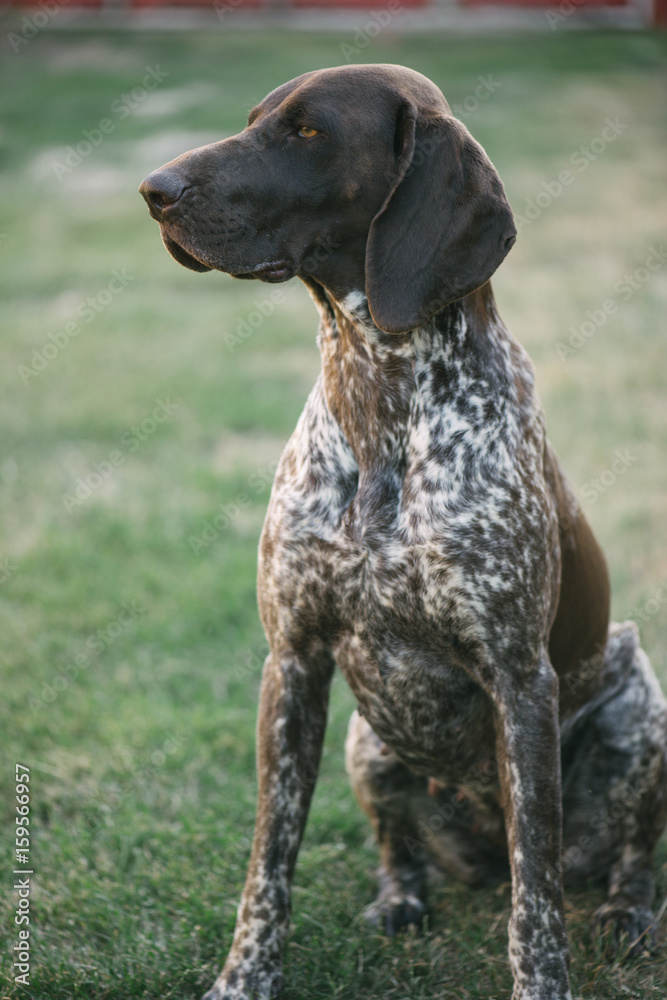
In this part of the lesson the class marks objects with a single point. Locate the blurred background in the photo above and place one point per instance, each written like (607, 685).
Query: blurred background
(143, 408)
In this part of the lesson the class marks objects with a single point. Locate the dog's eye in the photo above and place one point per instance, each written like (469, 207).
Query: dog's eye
(306, 132)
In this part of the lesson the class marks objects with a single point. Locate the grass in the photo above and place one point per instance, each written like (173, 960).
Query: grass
(142, 750)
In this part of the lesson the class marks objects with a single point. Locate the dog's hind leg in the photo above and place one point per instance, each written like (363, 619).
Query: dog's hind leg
(418, 823)
(615, 791)
(386, 790)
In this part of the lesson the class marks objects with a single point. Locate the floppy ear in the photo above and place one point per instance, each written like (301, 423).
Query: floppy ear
(444, 227)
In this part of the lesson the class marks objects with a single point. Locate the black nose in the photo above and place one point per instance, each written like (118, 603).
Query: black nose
(161, 190)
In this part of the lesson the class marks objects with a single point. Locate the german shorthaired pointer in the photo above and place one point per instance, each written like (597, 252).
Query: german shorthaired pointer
(421, 535)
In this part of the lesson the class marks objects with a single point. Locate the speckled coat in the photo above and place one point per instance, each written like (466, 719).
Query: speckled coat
(421, 535)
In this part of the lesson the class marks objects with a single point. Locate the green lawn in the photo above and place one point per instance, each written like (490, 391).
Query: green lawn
(130, 652)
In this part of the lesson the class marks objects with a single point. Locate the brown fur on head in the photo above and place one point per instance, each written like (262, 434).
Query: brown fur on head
(366, 161)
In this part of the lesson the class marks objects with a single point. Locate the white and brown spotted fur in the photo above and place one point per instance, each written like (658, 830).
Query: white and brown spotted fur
(420, 534)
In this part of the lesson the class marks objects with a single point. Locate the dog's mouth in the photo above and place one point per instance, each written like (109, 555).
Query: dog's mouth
(181, 255)
(273, 271)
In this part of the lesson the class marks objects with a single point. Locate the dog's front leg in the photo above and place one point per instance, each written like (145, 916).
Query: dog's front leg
(528, 751)
(290, 730)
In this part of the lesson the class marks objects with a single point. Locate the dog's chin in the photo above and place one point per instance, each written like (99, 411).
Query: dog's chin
(272, 271)
(182, 256)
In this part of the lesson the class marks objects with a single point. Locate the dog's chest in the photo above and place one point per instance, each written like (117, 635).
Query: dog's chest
(392, 536)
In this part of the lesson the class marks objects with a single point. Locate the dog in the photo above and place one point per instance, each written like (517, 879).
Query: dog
(421, 535)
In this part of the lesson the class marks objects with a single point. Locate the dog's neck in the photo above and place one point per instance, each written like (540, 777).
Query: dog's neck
(376, 384)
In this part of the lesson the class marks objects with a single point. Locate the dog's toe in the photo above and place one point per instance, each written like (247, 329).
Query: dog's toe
(395, 914)
(409, 912)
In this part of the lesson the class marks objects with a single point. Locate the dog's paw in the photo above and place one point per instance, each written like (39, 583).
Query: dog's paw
(628, 931)
(393, 914)
(236, 986)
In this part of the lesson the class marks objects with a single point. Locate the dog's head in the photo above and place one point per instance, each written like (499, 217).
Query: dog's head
(357, 177)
